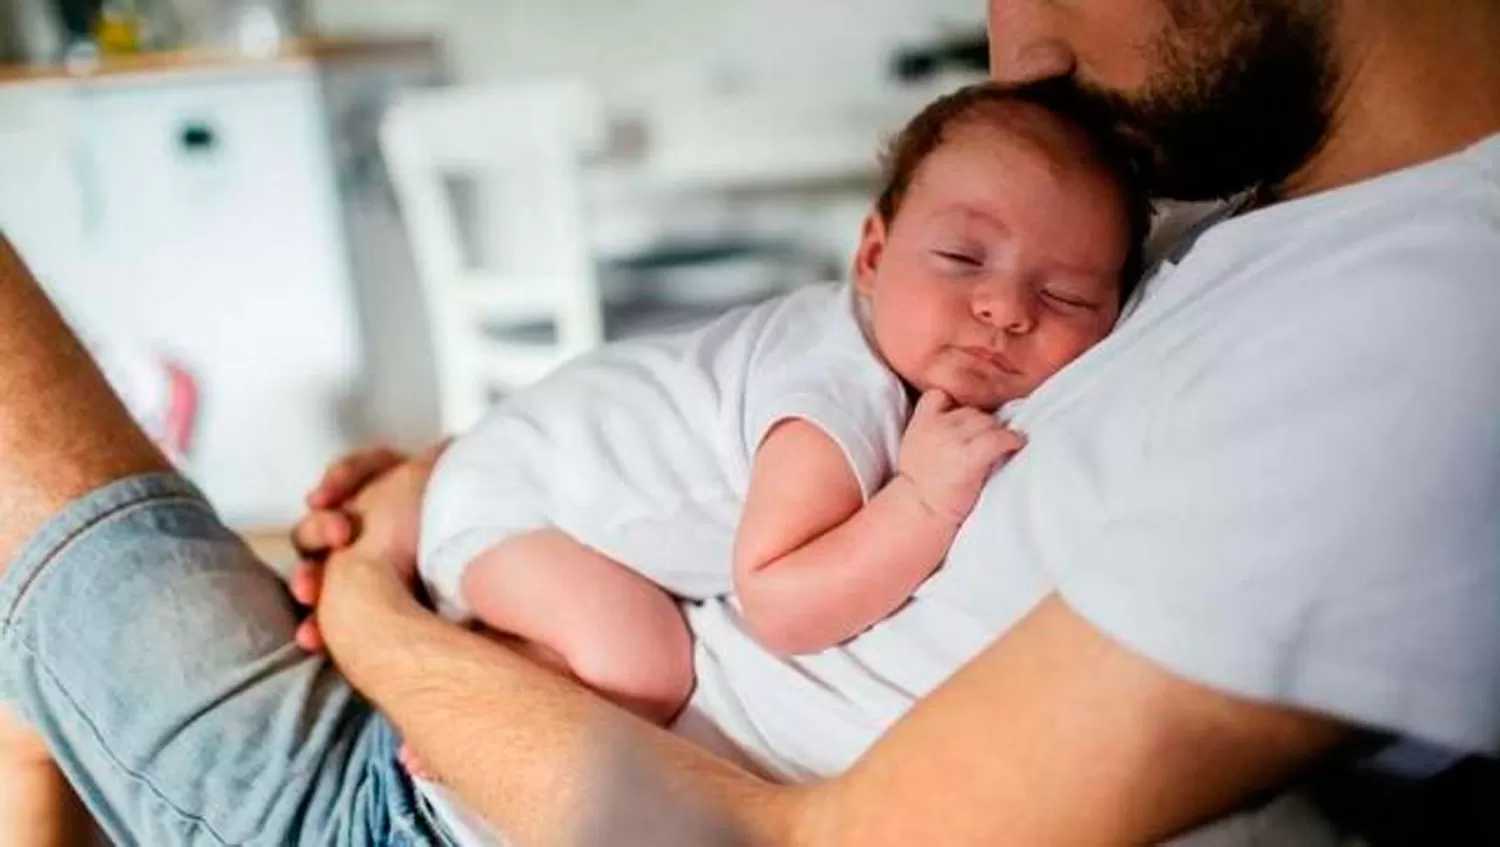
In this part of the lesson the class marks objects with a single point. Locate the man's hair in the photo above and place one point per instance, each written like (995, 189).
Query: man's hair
(971, 104)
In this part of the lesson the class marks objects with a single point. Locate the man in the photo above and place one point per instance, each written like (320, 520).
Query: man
(1254, 525)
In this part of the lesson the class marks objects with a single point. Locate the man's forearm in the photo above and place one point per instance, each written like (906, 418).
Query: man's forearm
(524, 747)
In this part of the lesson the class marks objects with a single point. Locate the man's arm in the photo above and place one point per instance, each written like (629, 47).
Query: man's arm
(522, 745)
(1055, 734)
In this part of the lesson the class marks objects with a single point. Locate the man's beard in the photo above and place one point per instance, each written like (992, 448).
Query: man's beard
(1239, 97)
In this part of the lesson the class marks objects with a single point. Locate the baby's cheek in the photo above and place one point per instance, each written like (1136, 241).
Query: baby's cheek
(1066, 344)
(910, 330)
(893, 338)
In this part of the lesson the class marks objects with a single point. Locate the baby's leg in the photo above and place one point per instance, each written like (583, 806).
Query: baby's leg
(618, 632)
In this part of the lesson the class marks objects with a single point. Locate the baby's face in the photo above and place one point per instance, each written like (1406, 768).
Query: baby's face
(1001, 266)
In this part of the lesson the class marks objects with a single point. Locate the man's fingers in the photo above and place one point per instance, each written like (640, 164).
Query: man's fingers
(308, 637)
(322, 531)
(348, 475)
(306, 583)
(343, 478)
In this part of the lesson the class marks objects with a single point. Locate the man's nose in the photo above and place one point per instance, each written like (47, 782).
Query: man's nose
(1006, 307)
(1024, 46)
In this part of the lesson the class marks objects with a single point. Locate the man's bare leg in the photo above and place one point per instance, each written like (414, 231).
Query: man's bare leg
(63, 432)
(37, 807)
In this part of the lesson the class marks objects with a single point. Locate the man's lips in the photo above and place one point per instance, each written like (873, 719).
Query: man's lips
(994, 358)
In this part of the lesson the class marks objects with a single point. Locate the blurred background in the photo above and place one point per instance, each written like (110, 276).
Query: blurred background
(288, 228)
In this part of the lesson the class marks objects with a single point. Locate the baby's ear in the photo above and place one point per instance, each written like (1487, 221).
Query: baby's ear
(871, 248)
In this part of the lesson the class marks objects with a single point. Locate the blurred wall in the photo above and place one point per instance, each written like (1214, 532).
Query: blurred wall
(666, 44)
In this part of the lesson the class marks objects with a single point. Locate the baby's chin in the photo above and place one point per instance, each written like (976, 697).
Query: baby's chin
(984, 403)
(988, 398)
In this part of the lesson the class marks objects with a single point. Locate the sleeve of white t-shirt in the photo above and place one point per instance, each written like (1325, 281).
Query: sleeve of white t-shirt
(839, 386)
(483, 491)
(1315, 515)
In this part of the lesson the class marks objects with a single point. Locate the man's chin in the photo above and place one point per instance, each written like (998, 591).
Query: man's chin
(1189, 177)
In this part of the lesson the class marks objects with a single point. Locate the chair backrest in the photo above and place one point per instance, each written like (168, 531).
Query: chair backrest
(521, 146)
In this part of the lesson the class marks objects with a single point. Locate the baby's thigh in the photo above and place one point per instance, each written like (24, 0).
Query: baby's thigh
(547, 587)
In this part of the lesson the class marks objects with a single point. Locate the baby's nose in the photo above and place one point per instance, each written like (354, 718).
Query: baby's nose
(1007, 308)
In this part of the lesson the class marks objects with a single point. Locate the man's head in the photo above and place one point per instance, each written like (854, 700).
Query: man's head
(1222, 95)
(1005, 242)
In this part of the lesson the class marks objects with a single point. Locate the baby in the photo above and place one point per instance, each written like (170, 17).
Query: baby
(775, 453)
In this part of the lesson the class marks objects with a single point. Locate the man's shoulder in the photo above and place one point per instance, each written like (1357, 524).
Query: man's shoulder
(1443, 214)
(1332, 306)
(1416, 255)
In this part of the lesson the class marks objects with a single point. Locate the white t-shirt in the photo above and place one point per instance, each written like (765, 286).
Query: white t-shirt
(643, 449)
(1280, 477)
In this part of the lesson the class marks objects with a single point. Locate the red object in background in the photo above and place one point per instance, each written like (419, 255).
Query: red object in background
(161, 393)
(178, 423)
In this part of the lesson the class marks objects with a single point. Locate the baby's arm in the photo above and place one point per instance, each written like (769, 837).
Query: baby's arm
(813, 568)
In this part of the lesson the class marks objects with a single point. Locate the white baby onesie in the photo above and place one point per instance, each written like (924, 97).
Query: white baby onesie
(642, 450)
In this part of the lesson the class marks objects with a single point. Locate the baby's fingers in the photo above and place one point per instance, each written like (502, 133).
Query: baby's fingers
(966, 423)
(932, 404)
(991, 446)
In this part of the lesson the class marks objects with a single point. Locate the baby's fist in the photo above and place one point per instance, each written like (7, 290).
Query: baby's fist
(947, 453)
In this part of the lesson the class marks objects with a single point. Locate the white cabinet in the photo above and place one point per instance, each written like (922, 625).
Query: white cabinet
(42, 196)
(197, 213)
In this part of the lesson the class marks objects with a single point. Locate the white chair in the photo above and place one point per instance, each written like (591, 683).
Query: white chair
(537, 302)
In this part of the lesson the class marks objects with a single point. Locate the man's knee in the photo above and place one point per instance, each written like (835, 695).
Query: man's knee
(63, 433)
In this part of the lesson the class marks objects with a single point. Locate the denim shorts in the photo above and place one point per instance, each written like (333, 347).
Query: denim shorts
(155, 654)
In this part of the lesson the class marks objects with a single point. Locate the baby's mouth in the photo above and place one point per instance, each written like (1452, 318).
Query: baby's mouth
(993, 358)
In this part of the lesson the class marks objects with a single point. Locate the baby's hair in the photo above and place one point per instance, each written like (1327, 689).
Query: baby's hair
(972, 104)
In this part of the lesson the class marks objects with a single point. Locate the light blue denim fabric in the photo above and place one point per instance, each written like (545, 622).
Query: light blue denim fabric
(155, 653)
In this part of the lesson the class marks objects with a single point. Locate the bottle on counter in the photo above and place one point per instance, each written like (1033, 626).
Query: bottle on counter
(126, 27)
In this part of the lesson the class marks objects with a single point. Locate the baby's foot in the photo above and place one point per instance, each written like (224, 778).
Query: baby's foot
(413, 764)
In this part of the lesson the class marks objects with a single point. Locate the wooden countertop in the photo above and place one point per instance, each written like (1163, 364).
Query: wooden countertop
(300, 51)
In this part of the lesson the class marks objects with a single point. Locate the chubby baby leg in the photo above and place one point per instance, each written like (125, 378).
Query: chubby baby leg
(617, 632)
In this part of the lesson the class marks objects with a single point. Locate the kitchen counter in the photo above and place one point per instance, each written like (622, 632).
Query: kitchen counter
(296, 53)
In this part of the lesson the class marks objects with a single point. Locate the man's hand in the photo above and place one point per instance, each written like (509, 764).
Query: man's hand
(370, 500)
(326, 527)
(947, 454)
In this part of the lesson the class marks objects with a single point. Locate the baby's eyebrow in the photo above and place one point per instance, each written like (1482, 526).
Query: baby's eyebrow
(969, 213)
(1088, 275)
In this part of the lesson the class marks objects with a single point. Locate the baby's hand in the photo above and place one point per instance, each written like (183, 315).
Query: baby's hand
(947, 453)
